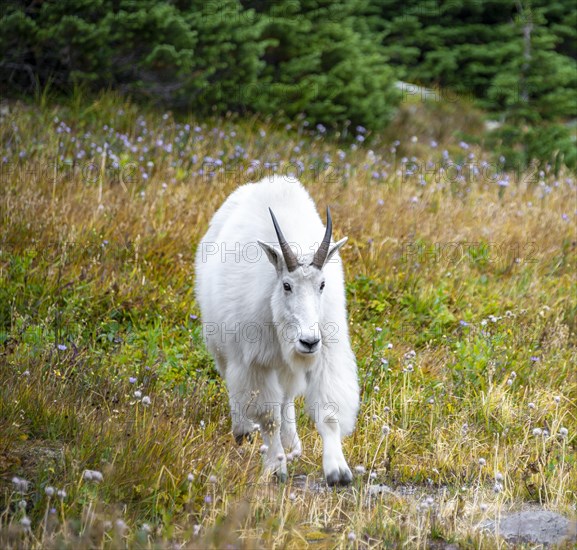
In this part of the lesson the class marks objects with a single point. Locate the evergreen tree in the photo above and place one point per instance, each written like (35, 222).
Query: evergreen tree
(229, 54)
(190, 53)
(535, 89)
(321, 64)
(481, 48)
(516, 57)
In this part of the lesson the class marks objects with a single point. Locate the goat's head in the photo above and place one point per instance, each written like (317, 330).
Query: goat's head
(297, 297)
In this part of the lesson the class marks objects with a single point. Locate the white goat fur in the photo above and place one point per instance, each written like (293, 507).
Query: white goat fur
(247, 315)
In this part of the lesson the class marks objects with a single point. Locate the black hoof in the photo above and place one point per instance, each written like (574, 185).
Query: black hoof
(281, 477)
(241, 437)
(339, 477)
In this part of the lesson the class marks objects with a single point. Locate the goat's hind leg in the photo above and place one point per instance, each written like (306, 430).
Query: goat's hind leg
(255, 398)
(242, 426)
(239, 398)
(288, 431)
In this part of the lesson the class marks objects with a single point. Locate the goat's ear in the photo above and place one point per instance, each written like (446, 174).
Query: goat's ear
(274, 256)
(334, 249)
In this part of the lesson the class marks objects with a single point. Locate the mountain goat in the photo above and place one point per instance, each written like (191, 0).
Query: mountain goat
(278, 331)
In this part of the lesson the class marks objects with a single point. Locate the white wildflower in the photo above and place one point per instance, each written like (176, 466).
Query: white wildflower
(121, 527)
(21, 485)
(93, 475)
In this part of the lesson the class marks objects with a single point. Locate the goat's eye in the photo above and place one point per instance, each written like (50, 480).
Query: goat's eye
(322, 286)
(287, 287)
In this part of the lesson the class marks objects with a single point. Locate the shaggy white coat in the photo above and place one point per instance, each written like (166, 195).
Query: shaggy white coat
(252, 325)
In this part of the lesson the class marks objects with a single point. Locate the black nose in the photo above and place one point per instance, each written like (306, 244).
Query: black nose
(309, 343)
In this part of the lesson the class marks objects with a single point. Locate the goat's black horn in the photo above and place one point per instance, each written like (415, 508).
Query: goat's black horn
(323, 251)
(289, 256)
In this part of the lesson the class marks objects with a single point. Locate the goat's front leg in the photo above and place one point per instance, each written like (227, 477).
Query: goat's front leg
(332, 397)
(335, 467)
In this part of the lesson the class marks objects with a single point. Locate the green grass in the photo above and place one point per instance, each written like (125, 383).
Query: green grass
(462, 308)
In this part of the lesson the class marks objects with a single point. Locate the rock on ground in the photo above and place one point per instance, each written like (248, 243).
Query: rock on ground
(537, 527)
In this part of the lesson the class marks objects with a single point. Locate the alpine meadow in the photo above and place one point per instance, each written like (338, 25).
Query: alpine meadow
(439, 137)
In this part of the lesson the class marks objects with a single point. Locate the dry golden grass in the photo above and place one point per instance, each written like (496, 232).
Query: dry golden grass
(97, 274)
